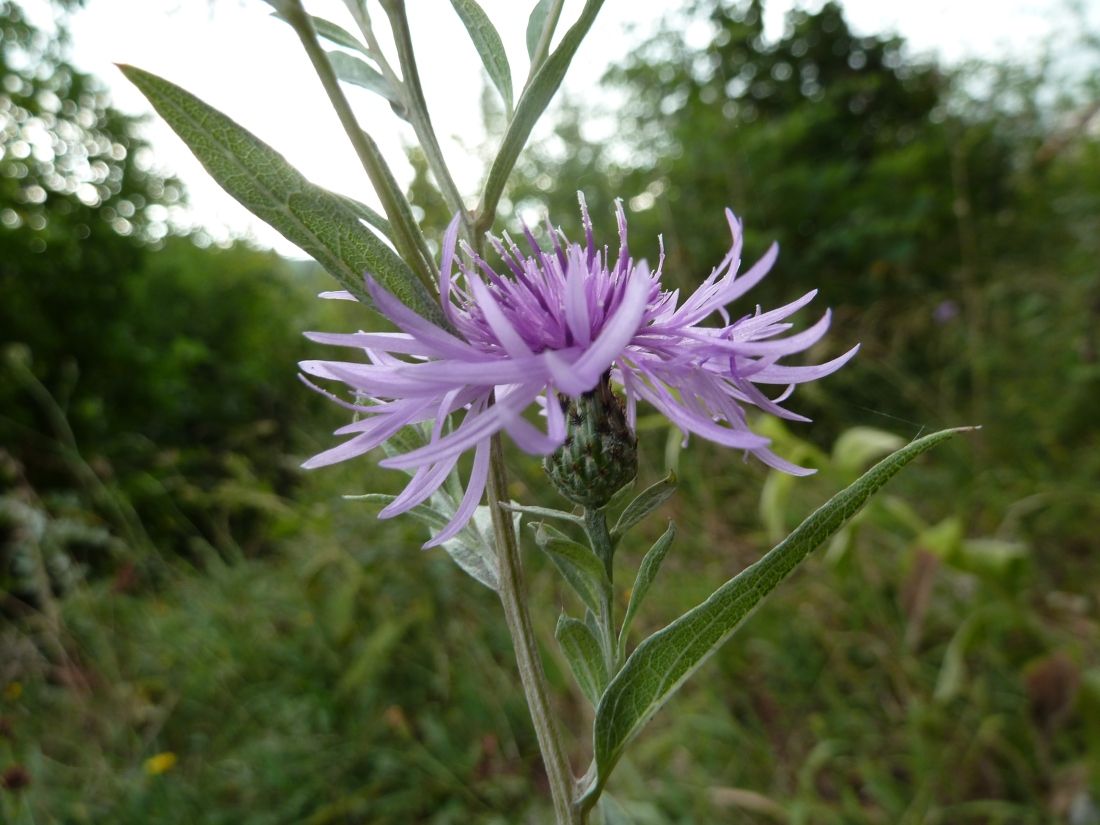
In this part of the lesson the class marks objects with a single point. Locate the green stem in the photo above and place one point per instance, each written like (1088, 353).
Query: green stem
(418, 113)
(513, 597)
(407, 236)
(595, 524)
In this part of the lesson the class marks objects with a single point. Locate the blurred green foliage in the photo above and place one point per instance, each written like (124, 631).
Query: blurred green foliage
(949, 218)
(190, 630)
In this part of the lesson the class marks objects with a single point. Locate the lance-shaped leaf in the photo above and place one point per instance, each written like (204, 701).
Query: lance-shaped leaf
(535, 24)
(647, 501)
(544, 512)
(585, 658)
(664, 661)
(469, 549)
(577, 564)
(351, 69)
(365, 213)
(273, 190)
(646, 574)
(532, 103)
(489, 46)
(330, 31)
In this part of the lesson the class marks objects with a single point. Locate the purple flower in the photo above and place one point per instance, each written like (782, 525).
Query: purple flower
(557, 325)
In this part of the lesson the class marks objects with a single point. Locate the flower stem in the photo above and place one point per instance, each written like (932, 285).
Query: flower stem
(407, 235)
(513, 597)
(595, 524)
(418, 113)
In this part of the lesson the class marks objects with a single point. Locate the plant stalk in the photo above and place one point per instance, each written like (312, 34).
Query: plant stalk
(595, 524)
(418, 113)
(513, 597)
(407, 235)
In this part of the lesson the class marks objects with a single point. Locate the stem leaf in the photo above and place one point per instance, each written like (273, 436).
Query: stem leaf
(351, 69)
(535, 24)
(263, 182)
(534, 100)
(577, 564)
(544, 512)
(489, 46)
(585, 658)
(664, 661)
(470, 549)
(365, 213)
(647, 572)
(647, 501)
(330, 31)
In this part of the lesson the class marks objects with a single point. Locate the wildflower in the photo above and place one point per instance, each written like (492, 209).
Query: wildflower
(161, 763)
(564, 319)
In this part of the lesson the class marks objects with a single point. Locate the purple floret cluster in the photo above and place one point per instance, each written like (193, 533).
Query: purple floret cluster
(557, 322)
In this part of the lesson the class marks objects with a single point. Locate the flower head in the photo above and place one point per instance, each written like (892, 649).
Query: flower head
(555, 325)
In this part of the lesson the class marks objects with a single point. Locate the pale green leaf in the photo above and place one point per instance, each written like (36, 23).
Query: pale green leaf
(664, 661)
(533, 103)
(351, 69)
(262, 181)
(613, 812)
(543, 512)
(647, 572)
(471, 549)
(585, 658)
(535, 24)
(365, 213)
(330, 31)
(859, 446)
(647, 501)
(621, 495)
(953, 668)
(489, 46)
(577, 564)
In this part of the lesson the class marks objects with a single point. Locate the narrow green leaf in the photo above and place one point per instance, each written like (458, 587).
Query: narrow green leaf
(535, 25)
(647, 501)
(434, 519)
(544, 512)
(469, 549)
(273, 190)
(532, 103)
(664, 661)
(330, 31)
(577, 564)
(404, 209)
(647, 572)
(582, 651)
(351, 69)
(622, 495)
(488, 44)
(365, 213)
(613, 812)
(408, 438)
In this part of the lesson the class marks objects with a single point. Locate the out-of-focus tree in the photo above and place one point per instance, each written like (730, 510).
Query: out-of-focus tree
(165, 356)
(947, 215)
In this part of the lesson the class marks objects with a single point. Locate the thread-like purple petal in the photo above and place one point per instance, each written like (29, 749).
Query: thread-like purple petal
(474, 489)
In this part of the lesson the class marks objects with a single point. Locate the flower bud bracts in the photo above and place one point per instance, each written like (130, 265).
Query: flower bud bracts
(600, 453)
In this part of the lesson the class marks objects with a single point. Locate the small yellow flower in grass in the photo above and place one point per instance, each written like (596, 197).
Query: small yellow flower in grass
(13, 690)
(156, 765)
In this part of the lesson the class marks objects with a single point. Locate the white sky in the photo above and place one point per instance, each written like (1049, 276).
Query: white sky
(233, 55)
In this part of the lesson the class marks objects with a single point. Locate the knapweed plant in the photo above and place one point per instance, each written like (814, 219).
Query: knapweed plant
(556, 345)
